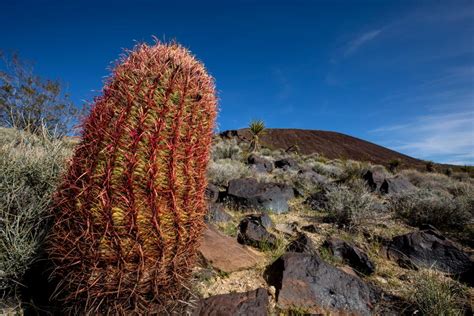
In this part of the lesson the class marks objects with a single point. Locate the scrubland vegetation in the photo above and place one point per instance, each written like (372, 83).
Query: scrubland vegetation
(329, 199)
(31, 166)
(368, 219)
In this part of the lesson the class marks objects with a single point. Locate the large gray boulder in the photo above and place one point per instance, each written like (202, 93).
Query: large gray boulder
(351, 255)
(396, 185)
(317, 201)
(378, 181)
(374, 179)
(286, 163)
(216, 214)
(429, 249)
(259, 163)
(311, 177)
(302, 243)
(248, 193)
(252, 232)
(239, 304)
(211, 193)
(305, 281)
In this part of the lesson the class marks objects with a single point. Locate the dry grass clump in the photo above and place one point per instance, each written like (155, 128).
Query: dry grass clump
(437, 208)
(30, 166)
(433, 294)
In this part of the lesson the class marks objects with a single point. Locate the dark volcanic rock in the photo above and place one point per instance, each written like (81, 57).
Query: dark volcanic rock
(305, 281)
(260, 164)
(313, 177)
(248, 303)
(430, 249)
(262, 219)
(253, 233)
(286, 163)
(317, 201)
(374, 179)
(378, 182)
(248, 193)
(302, 243)
(351, 255)
(311, 228)
(396, 185)
(211, 193)
(216, 214)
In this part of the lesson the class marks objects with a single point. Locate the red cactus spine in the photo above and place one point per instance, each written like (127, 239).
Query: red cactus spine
(130, 210)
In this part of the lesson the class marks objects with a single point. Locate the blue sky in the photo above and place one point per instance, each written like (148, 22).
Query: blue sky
(398, 73)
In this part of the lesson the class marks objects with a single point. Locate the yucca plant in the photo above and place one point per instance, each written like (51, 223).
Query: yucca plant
(130, 211)
(256, 127)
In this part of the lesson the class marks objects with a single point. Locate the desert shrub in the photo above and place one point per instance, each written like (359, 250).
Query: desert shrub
(458, 188)
(394, 164)
(297, 180)
(353, 170)
(431, 294)
(29, 102)
(221, 171)
(437, 208)
(448, 172)
(463, 177)
(269, 153)
(226, 149)
(29, 169)
(431, 181)
(327, 169)
(430, 166)
(351, 205)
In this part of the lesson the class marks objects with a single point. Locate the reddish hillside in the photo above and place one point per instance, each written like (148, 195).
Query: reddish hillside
(329, 144)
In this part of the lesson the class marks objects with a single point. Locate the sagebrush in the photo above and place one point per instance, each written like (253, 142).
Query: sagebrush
(30, 168)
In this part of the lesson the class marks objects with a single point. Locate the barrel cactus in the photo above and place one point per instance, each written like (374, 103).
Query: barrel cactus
(130, 210)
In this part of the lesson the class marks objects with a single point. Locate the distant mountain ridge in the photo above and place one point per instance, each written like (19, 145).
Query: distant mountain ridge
(331, 145)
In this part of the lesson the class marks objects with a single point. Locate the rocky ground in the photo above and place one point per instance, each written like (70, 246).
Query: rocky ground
(299, 235)
(291, 234)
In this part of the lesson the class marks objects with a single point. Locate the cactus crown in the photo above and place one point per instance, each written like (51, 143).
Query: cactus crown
(131, 207)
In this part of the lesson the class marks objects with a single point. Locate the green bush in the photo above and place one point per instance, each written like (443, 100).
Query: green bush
(29, 169)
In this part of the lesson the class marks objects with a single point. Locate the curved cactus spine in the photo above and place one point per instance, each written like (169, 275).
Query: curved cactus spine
(130, 210)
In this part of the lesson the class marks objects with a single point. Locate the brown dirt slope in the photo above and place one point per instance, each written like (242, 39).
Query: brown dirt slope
(331, 145)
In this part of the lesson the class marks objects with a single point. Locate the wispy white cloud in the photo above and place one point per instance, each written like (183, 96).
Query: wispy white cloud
(444, 137)
(361, 40)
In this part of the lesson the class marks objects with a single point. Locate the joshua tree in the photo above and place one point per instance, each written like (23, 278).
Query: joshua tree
(256, 128)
